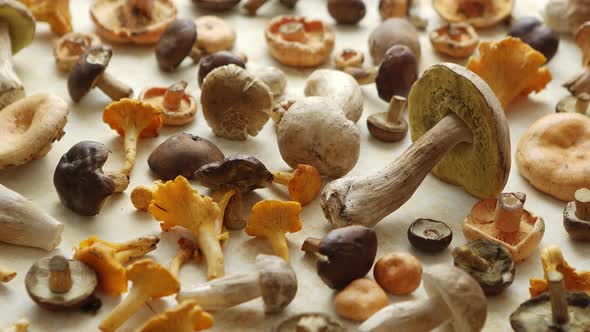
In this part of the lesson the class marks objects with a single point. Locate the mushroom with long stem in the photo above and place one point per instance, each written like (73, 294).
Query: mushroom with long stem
(576, 216)
(187, 250)
(304, 183)
(389, 126)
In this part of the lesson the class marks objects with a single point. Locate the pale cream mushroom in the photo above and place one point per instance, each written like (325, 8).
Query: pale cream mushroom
(214, 34)
(553, 13)
(69, 47)
(274, 78)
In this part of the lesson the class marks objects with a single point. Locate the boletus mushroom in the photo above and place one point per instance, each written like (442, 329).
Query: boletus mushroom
(451, 142)
(299, 42)
(347, 11)
(274, 280)
(479, 13)
(132, 21)
(343, 255)
(576, 216)
(457, 40)
(360, 300)
(69, 47)
(487, 262)
(55, 12)
(455, 298)
(429, 235)
(178, 107)
(391, 32)
(577, 104)
(309, 321)
(533, 32)
(398, 273)
(219, 59)
(57, 283)
(176, 43)
(389, 126)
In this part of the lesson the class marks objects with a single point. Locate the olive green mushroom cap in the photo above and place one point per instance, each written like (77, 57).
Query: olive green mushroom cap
(481, 167)
(20, 21)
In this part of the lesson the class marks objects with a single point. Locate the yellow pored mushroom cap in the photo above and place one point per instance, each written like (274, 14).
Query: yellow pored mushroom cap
(305, 184)
(270, 217)
(187, 316)
(112, 277)
(552, 259)
(128, 114)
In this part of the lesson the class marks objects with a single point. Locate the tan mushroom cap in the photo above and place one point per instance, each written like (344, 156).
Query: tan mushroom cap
(553, 154)
(29, 126)
(177, 112)
(68, 48)
(479, 13)
(112, 23)
(214, 34)
(583, 42)
(297, 41)
(457, 40)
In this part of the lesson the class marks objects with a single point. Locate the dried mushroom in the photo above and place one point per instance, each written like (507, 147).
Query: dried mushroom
(178, 107)
(398, 273)
(457, 40)
(391, 32)
(533, 32)
(360, 300)
(479, 13)
(304, 183)
(309, 321)
(187, 316)
(69, 47)
(55, 12)
(552, 259)
(429, 235)
(576, 216)
(347, 11)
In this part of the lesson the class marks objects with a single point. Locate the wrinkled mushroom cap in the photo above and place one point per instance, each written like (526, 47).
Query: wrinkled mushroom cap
(243, 173)
(393, 31)
(214, 34)
(154, 278)
(87, 70)
(175, 44)
(553, 154)
(479, 17)
(66, 57)
(127, 113)
(21, 23)
(536, 315)
(457, 40)
(184, 114)
(235, 103)
(454, 89)
(278, 282)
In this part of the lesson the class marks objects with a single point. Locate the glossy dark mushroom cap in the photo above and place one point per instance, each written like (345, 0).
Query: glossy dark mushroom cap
(87, 70)
(242, 173)
(216, 4)
(397, 72)
(176, 43)
(576, 227)
(539, 36)
(216, 60)
(534, 315)
(182, 154)
(429, 235)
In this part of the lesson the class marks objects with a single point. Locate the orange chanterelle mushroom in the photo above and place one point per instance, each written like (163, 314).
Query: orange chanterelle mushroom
(504, 221)
(299, 42)
(552, 259)
(479, 13)
(55, 12)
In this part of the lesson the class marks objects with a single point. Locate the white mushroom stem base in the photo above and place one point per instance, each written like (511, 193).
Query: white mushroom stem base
(415, 316)
(11, 87)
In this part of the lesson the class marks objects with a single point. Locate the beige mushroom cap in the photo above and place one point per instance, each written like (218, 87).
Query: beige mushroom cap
(491, 13)
(214, 34)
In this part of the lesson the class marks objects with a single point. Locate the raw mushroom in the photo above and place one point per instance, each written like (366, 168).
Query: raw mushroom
(69, 47)
(176, 43)
(580, 83)
(343, 255)
(457, 40)
(186, 251)
(389, 126)
(455, 298)
(487, 262)
(578, 104)
(309, 322)
(347, 11)
(398, 273)
(90, 71)
(391, 32)
(576, 216)
(349, 58)
(304, 183)
(552, 259)
(279, 110)
(132, 21)
(17, 31)
(178, 107)
(299, 42)
(141, 196)
(554, 13)
(218, 5)
(339, 88)
(443, 143)
(429, 235)
(56, 283)
(6, 275)
(183, 154)
(549, 154)
(251, 6)
(315, 132)
(29, 127)
(185, 317)
(235, 103)
(219, 59)
(214, 34)
(275, 281)
(55, 12)
(25, 224)
(360, 300)
(503, 220)
(274, 78)
(533, 32)
(479, 13)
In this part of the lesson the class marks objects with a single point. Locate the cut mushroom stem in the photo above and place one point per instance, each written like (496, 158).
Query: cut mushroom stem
(6, 275)
(311, 245)
(471, 258)
(558, 298)
(293, 31)
(174, 94)
(582, 102)
(583, 203)
(508, 212)
(60, 277)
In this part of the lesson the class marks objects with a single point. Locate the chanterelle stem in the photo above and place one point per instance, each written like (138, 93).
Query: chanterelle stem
(11, 87)
(130, 304)
(366, 200)
(225, 292)
(583, 203)
(282, 177)
(509, 209)
(131, 137)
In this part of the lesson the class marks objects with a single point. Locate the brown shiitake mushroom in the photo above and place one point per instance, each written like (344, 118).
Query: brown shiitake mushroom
(393, 31)
(176, 43)
(219, 59)
(397, 72)
(533, 32)
(398, 273)
(429, 235)
(389, 126)
(457, 40)
(347, 11)
(576, 216)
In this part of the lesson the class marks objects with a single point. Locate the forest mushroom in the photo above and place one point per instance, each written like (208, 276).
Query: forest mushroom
(274, 280)
(274, 78)
(304, 183)
(443, 144)
(235, 103)
(578, 104)
(533, 32)
(479, 13)
(176, 43)
(455, 298)
(389, 126)
(272, 219)
(150, 280)
(576, 216)
(347, 11)
(566, 16)
(217, 5)
(6, 274)
(429, 235)
(504, 220)
(299, 42)
(579, 84)
(22, 325)
(309, 321)
(391, 32)
(552, 260)
(241, 174)
(511, 68)
(132, 21)
(178, 107)
(339, 88)
(343, 255)
(219, 59)
(394, 8)
(349, 58)
(17, 31)
(24, 223)
(55, 12)
(457, 40)
(141, 196)
(550, 154)
(69, 47)
(57, 283)
(108, 259)
(487, 262)
(187, 316)
(29, 126)
(214, 34)
(90, 71)
(315, 132)
(186, 250)
(251, 6)
(398, 273)
(360, 300)
(183, 154)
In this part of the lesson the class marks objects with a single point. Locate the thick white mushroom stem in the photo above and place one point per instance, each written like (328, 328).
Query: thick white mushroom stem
(173, 95)
(225, 292)
(557, 296)
(366, 200)
(582, 197)
(113, 88)
(293, 31)
(363, 76)
(397, 104)
(251, 6)
(11, 87)
(509, 208)
(6, 275)
(60, 277)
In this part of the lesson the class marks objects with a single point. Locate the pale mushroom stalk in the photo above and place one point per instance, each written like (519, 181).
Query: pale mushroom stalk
(112, 87)
(134, 300)
(6, 275)
(187, 248)
(396, 109)
(12, 85)
(211, 248)
(508, 212)
(558, 298)
(60, 277)
(582, 197)
(130, 143)
(138, 247)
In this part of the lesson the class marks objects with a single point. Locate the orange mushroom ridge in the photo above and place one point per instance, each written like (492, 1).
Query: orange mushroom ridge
(552, 259)
(304, 183)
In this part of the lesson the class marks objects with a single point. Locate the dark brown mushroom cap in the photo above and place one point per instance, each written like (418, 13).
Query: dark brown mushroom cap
(216, 4)
(397, 72)
(347, 11)
(533, 32)
(176, 43)
(278, 282)
(500, 271)
(534, 315)
(242, 173)
(289, 3)
(309, 321)
(183, 154)
(218, 59)
(429, 235)
(349, 253)
(87, 70)
(79, 180)
(577, 228)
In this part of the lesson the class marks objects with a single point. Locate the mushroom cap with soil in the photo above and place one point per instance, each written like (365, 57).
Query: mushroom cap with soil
(339, 88)
(309, 321)
(429, 235)
(69, 47)
(28, 128)
(236, 104)
(214, 34)
(576, 216)
(391, 32)
(178, 107)
(360, 300)
(176, 43)
(457, 40)
(553, 154)
(533, 32)
(479, 13)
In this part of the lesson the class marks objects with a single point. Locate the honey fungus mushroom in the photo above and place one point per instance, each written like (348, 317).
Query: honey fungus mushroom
(391, 32)
(299, 42)
(132, 21)
(457, 40)
(178, 107)
(479, 13)
(339, 88)
(69, 47)
(576, 216)
(553, 154)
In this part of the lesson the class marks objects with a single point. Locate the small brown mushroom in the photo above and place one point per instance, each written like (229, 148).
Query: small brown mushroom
(457, 40)
(398, 273)
(176, 43)
(349, 58)
(309, 322)
(347, 11)
(214, 34)
(479, 13)
(219, 59)
(577, 104)
(360, 300)
(218, 5)
(576, 216)
(389, 126)
(178, 107)
(397, 72)
(69, 47)
(391, 32)
(533, 32)
(429, 235)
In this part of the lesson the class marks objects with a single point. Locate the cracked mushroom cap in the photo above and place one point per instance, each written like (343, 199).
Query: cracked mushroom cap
(553, 154)
(127, 114)
(236, 104)
(243, 173)
(29, 126)
(480, 14)
(278, 282)
(20, 22)
(454, 89)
